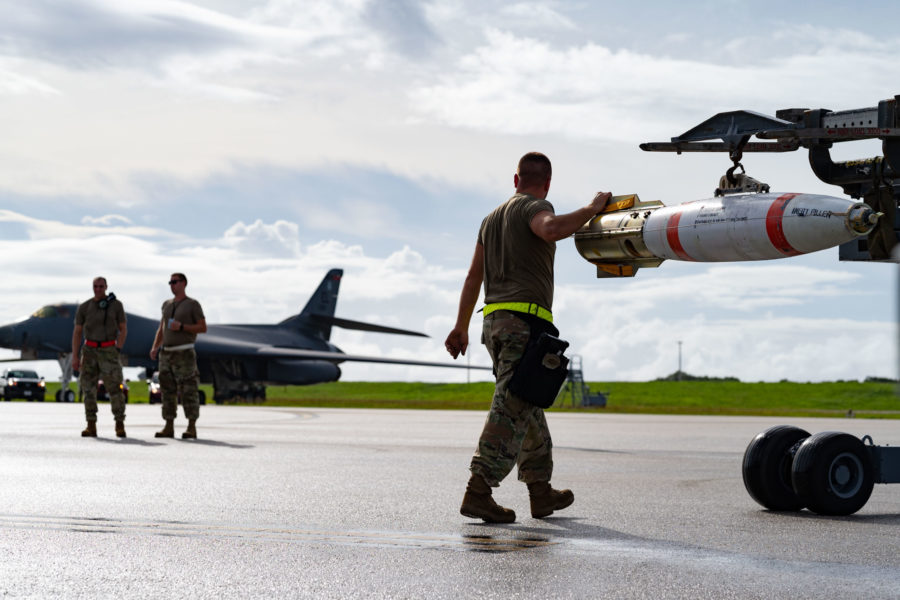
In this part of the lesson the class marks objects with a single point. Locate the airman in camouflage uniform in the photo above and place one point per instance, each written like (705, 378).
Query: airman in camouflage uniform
(182, 319)
(514, 258)
(101, 324)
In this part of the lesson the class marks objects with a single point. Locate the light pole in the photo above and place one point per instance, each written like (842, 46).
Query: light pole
(679, 360)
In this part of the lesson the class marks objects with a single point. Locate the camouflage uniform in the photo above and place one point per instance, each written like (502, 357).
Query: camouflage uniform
(518, 267)
(515, 431)
(178, 375)
(100, 363)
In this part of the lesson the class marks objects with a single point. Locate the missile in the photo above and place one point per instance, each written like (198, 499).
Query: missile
(630, 234)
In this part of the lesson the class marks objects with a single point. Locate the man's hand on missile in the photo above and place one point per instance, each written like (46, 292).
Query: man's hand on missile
(599, 202)
(457, 342)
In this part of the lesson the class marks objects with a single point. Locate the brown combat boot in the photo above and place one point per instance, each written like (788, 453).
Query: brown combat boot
(478, 503)
(191, 432)
(120, 429)
(90, 430)
(544, 499)
(168, 431)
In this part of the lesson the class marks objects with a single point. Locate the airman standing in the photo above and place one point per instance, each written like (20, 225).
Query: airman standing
(182, 319)
(100, 322)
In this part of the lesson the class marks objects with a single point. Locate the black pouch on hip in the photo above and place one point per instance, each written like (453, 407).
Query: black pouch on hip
(542, 371)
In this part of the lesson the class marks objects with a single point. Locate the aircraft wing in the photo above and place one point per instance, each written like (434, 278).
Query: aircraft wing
(224, 346)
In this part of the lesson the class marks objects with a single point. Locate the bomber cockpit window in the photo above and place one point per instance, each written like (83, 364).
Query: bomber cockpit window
(52, 312)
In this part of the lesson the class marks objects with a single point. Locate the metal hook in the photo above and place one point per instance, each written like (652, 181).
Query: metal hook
(729, 174)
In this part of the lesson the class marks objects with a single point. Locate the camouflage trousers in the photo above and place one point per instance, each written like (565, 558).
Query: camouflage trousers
(515, 432)
(179, 377)
(101, 363)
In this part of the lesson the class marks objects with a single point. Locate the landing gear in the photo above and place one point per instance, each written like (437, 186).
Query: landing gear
(767, 467)
(232, 384)
(64, 394)
(830, 473)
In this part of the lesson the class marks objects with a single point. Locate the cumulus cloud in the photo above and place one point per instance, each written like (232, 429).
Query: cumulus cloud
(278, 239)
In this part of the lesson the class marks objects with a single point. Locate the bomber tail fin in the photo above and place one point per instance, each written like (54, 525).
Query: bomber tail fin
(317, 317)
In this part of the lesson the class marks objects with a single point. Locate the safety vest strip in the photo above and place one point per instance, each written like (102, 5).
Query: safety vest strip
(528, 308)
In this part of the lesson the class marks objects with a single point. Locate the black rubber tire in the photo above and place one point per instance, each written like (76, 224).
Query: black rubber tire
(767, 467)
(833, 473)
(59, 393)
(69, 396)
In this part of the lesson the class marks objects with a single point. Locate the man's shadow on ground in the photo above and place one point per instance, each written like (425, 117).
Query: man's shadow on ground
(139, 442)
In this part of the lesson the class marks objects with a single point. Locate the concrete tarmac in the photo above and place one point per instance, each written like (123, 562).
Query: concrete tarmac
(339, 503)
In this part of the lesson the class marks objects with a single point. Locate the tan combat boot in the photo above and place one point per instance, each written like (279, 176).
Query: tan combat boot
(544, 499)
(90, 430)
(191, 432)
(120, 429)
(168, 431)
(478, 503)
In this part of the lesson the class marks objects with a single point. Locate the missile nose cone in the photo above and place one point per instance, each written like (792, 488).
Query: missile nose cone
(862, 219)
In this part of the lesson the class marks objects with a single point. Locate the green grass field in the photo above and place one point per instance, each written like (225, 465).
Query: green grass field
(835, 399)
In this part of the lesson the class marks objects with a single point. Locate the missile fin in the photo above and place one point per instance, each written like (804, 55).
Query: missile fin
(620, 203)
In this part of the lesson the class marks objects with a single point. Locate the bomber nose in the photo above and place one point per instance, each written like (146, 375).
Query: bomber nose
(7, 333)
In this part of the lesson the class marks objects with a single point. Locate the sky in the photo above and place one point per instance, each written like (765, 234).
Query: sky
(254, 145)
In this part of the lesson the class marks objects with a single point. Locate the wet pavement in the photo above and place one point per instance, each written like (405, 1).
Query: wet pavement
(340, 503)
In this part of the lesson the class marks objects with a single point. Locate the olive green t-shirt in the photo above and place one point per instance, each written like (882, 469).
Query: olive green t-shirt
(518, 265)
(100, 324)
(188, 311)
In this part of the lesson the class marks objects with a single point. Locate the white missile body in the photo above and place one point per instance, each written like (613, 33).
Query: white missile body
(739, 227)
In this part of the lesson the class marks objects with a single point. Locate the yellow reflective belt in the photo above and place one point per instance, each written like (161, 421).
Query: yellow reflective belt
(523, 307)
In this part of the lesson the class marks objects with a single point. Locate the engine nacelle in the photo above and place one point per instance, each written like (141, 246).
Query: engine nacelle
(286, 371)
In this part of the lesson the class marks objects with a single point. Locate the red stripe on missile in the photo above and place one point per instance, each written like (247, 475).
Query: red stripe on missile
(672, 237)
(775, 225)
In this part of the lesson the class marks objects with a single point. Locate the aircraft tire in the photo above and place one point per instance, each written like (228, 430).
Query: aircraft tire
(767, 467)
(833, 473)
(69, 396)
(59, 395)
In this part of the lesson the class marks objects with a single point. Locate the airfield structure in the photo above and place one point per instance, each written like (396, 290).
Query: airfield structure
(577, 391)
(785, 468)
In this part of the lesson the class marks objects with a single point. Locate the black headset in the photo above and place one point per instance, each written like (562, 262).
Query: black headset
(107, 301)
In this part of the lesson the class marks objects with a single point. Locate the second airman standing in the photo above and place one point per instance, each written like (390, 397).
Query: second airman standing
(182, 319)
